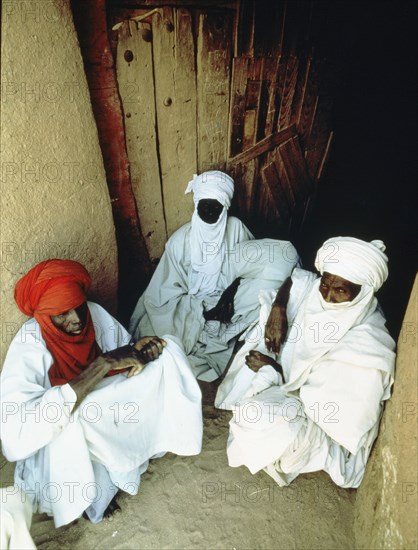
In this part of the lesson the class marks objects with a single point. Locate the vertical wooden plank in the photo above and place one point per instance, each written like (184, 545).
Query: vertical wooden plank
(296, 170)
(281, 77)
(213, 76)
(309, 102)
(272, 182)
(298, 182)
(252, 106)
(302, 78)
(238, 89)
(285, 182)
(325, 157)
(136, 88)
(319, 135)
(288, 93)
(270, 74)
(175, 85)
(245, 38)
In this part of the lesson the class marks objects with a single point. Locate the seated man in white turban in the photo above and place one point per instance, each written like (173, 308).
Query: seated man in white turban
(204, 290)
(310, 397)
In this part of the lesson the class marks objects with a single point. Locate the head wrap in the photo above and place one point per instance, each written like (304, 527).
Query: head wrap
(207, 250)
(212, 185)
(357, 261)
(50, 288)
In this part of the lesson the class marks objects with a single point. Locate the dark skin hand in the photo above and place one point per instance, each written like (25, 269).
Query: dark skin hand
(255, 360)
(224, 309)
(135, 357)
(277, 325)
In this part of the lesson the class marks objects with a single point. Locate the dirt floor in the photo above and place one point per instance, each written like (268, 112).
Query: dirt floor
(200, 502)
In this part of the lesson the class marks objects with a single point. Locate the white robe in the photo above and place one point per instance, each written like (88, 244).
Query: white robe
(326, 416)
(167, 307)
(67, 461)
(15, 520)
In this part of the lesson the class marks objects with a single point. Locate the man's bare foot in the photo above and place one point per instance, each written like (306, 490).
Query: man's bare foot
(112, 510)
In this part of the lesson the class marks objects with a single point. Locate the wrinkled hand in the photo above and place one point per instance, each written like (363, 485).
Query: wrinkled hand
(149, 348)
(255, 360)
(276, 328)
(135, 357)
(224, 309)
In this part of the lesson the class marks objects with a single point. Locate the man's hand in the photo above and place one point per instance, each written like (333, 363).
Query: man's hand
(255, 360)
(135, 357)
(224, 309)
(276, 328)
(126, 357)
(150, 348)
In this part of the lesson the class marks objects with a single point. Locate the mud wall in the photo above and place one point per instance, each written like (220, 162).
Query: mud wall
(386, 504)
(54, 198)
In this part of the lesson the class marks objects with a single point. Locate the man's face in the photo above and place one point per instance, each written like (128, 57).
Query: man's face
(209, 210)
(335, 289)
(72, 321)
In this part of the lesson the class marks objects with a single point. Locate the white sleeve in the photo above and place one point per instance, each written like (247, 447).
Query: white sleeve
(32, 413)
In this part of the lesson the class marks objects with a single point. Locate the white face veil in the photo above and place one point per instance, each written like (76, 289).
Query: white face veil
(321, 324)
(207, 240)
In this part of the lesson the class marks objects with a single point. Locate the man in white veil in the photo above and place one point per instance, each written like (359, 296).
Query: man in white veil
(204, 290)
(308, 386)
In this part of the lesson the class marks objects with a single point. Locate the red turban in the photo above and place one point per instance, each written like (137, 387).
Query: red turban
(51, 288)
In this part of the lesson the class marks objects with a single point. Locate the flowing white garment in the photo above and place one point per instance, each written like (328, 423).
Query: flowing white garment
(120, 425)
(167, 307)
(15, 520)
(326, 415)
(207, 239)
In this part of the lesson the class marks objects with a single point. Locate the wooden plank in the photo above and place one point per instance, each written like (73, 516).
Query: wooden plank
(321, 124)
(281, 76)
(242, 203)
(266, 144)
(237, 112)
(325, 157)
(309, 102)
(136, 88)
(271, 67)
(296, 170)
(288, 93)
(213, 76)
(252, 101)
(272, 181)
(286, 183)
(251, 120)
(250, 128)
(302, 79)
(175, 86)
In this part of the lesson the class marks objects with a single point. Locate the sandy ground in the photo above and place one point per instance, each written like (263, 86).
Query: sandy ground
(200, 502)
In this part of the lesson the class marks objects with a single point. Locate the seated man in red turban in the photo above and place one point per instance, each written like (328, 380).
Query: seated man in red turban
(75, 417)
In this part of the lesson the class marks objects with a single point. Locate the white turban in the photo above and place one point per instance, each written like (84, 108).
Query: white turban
(212, 185)
(357, 261)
